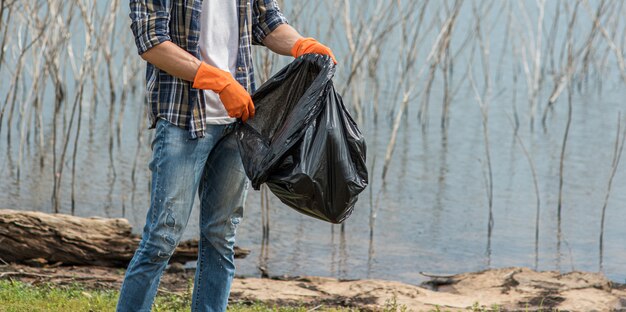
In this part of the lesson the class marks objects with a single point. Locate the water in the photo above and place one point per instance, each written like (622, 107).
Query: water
(432, 213)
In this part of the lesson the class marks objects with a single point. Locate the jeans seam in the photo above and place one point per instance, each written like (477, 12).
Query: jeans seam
(201, 244)
(157, 174)
(199, 269)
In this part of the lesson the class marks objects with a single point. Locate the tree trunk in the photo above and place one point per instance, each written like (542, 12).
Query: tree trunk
(70, 240)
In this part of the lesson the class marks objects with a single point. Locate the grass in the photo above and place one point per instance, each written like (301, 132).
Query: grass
(18, 296)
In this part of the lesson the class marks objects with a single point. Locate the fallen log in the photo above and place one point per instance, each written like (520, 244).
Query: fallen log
(70, 240)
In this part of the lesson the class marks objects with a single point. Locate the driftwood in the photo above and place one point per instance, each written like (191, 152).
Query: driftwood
(70, 240)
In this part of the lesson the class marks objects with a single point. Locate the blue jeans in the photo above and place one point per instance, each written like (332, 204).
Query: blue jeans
(180, 166)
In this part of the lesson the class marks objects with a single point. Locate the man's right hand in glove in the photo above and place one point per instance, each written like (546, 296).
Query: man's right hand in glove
(235, 98)
(179, 63)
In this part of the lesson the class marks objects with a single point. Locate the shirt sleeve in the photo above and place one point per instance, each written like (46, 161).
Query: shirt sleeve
(149, 22)
(266, 16)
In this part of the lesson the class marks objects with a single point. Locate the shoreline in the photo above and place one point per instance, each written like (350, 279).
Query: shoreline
(511, 289)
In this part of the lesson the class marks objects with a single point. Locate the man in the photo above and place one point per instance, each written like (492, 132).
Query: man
(199, 75)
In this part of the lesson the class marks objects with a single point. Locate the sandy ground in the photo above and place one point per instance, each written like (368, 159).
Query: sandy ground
(514, 289)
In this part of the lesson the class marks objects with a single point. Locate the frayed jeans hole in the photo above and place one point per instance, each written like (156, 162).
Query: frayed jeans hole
(168, 239)
(170, 220)
(162, 252)
(161, 256)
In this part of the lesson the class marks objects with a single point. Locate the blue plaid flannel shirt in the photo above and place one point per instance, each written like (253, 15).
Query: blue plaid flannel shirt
(178, 21)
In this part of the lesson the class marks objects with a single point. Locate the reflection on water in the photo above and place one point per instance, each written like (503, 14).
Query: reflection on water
(432, 212)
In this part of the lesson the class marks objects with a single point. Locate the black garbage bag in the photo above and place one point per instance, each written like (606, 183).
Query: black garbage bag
(303, 143)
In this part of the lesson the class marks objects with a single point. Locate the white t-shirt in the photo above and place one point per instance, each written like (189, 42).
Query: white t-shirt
(219, 42)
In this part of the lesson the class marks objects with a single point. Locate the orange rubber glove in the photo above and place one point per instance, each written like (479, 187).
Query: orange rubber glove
(310, 45)
(235, 98)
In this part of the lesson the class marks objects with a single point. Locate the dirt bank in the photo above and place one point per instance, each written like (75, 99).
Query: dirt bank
(511, 288)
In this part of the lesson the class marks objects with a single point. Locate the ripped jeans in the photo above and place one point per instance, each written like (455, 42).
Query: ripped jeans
(180, 166)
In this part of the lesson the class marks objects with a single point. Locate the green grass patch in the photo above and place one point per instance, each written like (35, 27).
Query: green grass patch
(18, 297)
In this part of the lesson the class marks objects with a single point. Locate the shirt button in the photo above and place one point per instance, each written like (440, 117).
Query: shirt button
(240, 68)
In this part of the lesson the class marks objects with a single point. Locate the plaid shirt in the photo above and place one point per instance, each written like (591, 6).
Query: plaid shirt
(178, 21)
